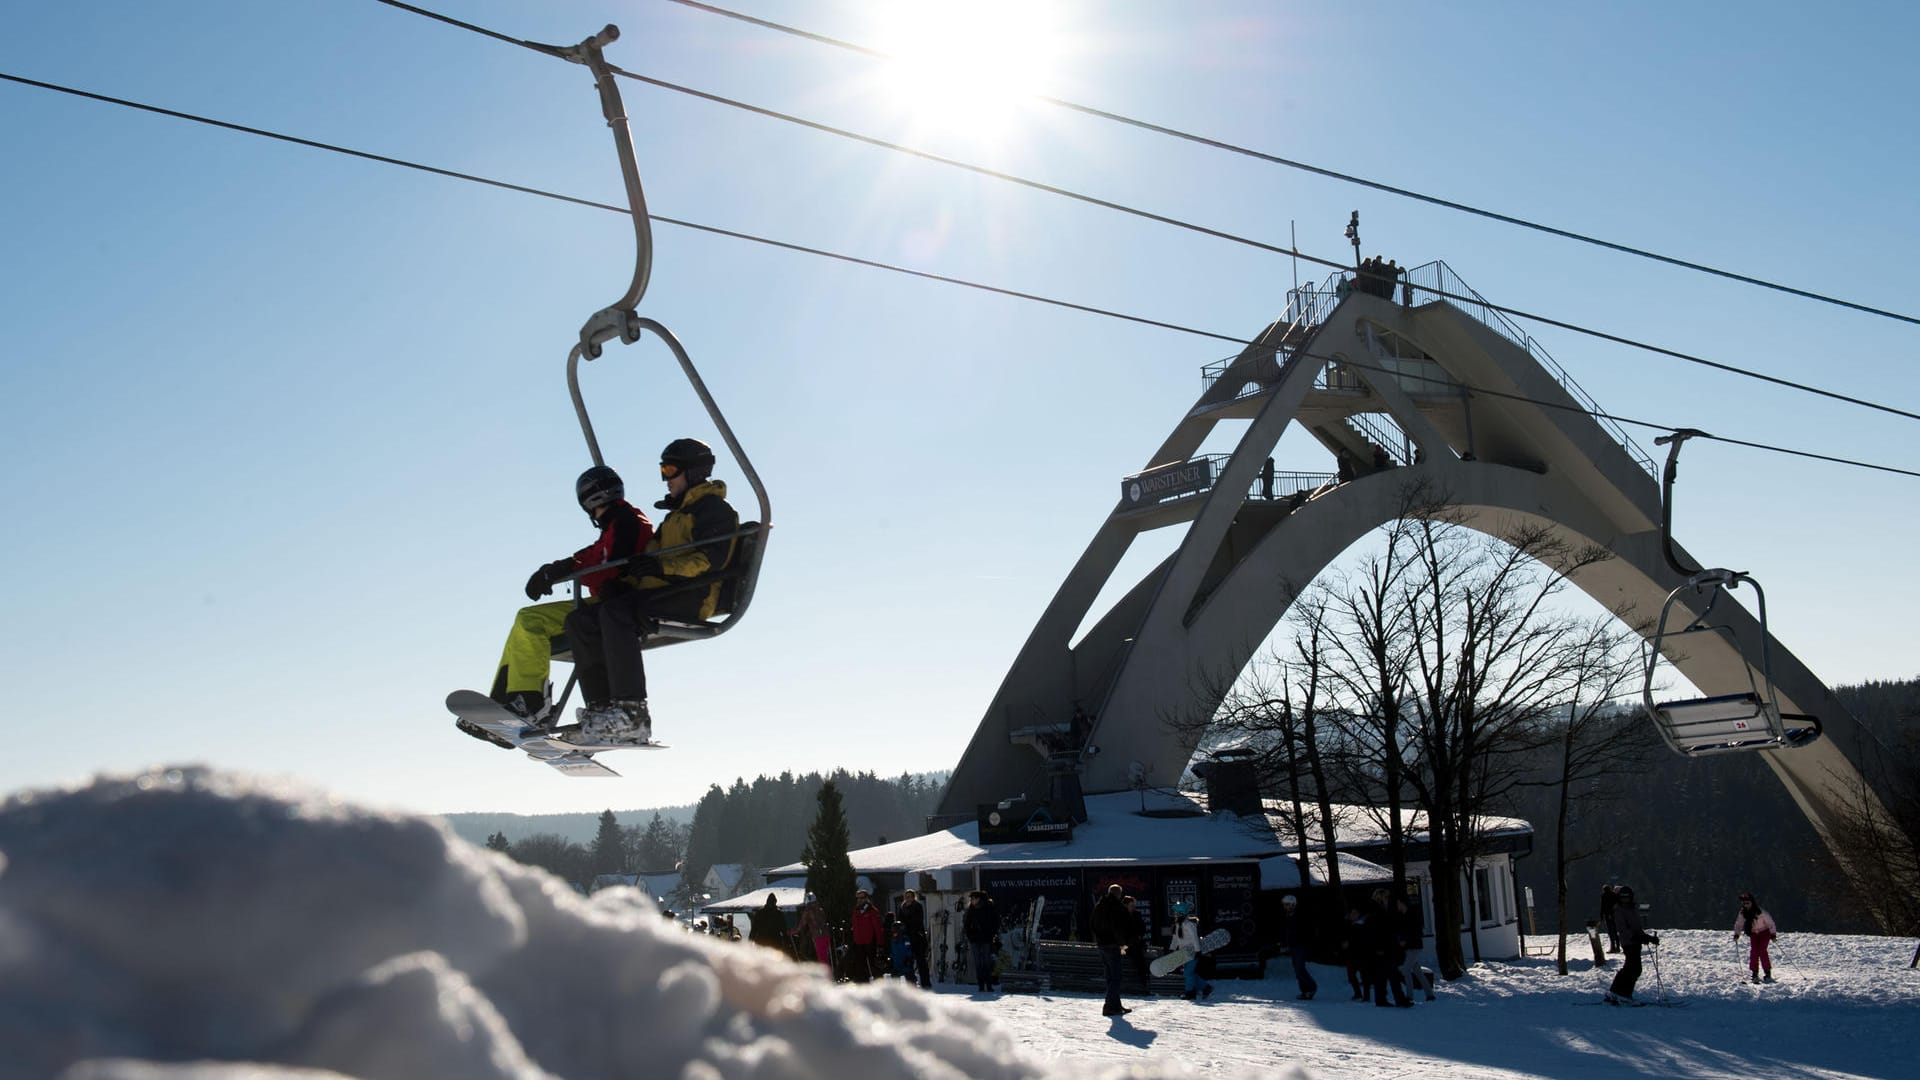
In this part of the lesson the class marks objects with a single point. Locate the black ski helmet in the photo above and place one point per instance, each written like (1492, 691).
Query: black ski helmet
(691, 455)
(597, 487)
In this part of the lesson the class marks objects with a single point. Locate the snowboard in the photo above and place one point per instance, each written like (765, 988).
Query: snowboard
(542, 745)
(1177, 958)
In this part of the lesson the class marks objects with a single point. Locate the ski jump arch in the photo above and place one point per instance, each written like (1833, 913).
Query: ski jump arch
(1351, 369)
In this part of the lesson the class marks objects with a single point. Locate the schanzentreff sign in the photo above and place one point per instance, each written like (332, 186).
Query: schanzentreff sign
(1163, 482)
(1021, 821)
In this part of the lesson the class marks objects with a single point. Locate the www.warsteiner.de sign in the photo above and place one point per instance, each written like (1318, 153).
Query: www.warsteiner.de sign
(1163, 482)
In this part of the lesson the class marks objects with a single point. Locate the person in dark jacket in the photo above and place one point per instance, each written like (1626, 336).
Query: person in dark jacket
(911, 919)
(520, 681)
(696, 537)
(1626, 912)
(1609, 900)
(1296, 936)
(1137, 946)
(769, 926)
(1109, 924)
(1353, 950)
(1384, 952)
(980, 925)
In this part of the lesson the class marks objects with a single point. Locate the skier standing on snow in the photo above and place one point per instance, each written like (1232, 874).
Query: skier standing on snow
(1759, 928)
(1110, 928)
(980, 925)
(1413, 936)
(813, 931)
(1186, 935)
(769, 926)
(1608, 900)
(912, 916)
(1626, 912)
(1137, 946)
(1385, 951)
(693, 539)
(869, 936)
(1297, 939)
(520, 682)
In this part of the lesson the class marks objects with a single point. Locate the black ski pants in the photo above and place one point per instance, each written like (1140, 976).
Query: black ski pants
(605, 639)
(1629, 972)
(1110, 960)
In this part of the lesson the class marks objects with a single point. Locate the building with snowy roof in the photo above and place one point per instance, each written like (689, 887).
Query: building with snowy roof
(1166, 848)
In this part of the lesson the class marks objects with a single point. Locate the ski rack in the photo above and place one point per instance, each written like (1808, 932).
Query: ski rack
(1726, 722)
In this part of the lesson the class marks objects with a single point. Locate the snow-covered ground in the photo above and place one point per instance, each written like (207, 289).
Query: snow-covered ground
(1840, 1006)
(182, 923)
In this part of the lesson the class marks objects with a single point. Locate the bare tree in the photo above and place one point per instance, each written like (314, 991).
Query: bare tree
(1880, 828)
(1490, 657)
(1591, 739)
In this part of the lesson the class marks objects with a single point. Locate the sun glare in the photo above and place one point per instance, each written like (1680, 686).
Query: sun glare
(967, 67)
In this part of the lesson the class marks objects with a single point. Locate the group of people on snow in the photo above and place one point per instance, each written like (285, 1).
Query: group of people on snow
(1627, 934)
(632, 573)
(875, 944)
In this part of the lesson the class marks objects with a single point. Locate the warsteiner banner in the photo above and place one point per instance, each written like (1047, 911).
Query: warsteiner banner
(1163, 482)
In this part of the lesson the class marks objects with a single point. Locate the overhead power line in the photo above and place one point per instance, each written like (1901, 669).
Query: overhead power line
(874, 264)
(1163, 219)
(1320, 170)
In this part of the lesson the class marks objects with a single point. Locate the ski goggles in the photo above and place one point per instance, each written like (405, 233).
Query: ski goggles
(668, 472)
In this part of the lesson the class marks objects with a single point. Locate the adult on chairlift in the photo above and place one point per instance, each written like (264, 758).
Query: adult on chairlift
(520, 682)
(695, 537)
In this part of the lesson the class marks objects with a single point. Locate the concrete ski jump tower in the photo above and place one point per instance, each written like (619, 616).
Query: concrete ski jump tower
(1382, 381)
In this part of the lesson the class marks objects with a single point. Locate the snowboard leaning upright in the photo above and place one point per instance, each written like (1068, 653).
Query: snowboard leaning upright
(540, 745)
(1177, 958)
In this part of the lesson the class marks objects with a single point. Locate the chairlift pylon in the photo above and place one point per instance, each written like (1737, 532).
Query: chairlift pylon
(621, 320)
(1725, 722)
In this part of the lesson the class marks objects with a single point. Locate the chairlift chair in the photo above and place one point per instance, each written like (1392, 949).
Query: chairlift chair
(739, 571)
(1725, 722)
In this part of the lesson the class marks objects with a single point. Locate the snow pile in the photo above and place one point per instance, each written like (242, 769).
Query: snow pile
(188, 916)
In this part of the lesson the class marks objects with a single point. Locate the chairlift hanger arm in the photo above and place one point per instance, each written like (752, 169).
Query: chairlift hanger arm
(1667, 476)
(616, 319)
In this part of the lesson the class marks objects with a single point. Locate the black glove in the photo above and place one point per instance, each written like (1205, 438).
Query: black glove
(643, 566)
(1652, 939)
(543, 579)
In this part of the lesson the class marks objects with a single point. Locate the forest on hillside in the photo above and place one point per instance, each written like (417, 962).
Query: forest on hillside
(1691, 834)
(762, 823)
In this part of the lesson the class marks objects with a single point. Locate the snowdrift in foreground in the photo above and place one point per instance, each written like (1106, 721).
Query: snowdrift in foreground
(190, 916)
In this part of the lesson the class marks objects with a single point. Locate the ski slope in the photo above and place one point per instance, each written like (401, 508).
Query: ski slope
(179, 921)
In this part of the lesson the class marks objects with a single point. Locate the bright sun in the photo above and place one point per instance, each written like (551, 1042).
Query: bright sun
(967, 65)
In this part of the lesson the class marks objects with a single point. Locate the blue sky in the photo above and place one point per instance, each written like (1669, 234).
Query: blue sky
(288, 429)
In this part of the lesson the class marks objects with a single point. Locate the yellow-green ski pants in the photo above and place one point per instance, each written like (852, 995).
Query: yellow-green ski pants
(529, 652)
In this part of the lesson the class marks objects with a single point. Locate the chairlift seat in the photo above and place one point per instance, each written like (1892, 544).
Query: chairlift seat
(659, 630)
(1727, 723)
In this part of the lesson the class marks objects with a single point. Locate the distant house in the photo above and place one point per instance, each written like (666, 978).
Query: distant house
(731, 879)
(661, 887)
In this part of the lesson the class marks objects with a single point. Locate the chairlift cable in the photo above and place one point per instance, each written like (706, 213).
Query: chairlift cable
(1195, 227)
(892, 268)
(1319, 170)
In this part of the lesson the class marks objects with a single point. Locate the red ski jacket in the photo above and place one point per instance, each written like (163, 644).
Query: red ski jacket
(867, 927)
(623, 534)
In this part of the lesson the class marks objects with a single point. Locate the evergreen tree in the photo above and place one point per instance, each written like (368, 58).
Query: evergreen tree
(498, 842)
(658, 848)
(609, 847)
(829, 870)
(703, 838)
(558, 856)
